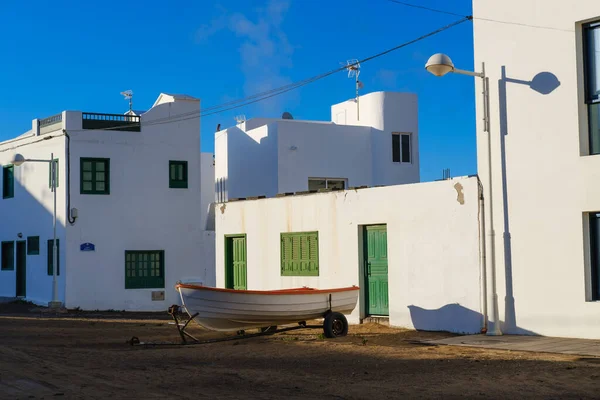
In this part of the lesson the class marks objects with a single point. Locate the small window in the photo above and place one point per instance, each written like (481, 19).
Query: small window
(326, 183)
(50, 173)
(95, 176)
(51, 258)
(8, 255)
(33, 245)
(300, 254)
(401, 148)
(144, 269)
(595, 254)
(178, 174)
(591, 42)
(8, 181)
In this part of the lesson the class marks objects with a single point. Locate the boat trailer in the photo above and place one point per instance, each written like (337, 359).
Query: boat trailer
(334, 324)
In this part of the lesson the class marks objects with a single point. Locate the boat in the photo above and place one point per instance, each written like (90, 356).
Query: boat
(225, 310)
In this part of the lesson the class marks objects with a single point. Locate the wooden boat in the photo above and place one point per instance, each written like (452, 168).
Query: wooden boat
(235, 310)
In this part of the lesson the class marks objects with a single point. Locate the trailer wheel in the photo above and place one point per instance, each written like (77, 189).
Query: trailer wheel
(335, 324)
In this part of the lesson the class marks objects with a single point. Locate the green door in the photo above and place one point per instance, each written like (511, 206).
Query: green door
(376, 270)
(21, 268)
(235, 262)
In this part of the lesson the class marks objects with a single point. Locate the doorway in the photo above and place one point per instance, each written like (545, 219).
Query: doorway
(21, 279)
(376, 270)
(235, 262)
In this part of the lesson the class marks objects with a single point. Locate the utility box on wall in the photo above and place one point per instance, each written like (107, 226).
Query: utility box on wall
(158, 295)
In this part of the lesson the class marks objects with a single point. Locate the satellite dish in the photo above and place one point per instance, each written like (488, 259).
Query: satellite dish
(286, 115)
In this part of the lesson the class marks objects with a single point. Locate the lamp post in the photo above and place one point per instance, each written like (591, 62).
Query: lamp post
(18, 160)
(439, 65)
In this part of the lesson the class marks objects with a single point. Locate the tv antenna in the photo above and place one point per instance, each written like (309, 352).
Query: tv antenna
(240, 118)
(128, 96)
(353, 67)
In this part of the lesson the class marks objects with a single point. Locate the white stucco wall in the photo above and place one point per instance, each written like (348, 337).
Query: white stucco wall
(536, 99)
(207, 191)
(433, 247)
(30, 213)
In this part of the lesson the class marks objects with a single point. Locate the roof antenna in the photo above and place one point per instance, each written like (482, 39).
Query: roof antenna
(353, 67)
(128, 96)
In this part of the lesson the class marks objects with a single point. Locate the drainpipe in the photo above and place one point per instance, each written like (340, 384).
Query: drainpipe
(482, 257)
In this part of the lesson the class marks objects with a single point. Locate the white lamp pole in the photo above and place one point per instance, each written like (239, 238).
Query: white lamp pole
(18, 161)
(439, 65)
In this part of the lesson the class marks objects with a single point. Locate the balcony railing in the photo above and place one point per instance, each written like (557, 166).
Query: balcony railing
(55, 119)
(117, 122)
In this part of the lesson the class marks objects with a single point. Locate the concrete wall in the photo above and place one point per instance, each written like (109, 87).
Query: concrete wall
(322, 151)
(141, 212)
(207, 191)
(543, 181)
(30, 213)
(433, 247)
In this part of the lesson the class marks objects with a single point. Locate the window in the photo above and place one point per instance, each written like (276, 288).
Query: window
(8, 255)
(300, 254)
(591, 43)
(50, 174)
(595, 254)
(401, 148)
(144, 269)
(33, 245)
(178, 174)
(95, 176)
(51, 258)
(326, 183)
(8, 181)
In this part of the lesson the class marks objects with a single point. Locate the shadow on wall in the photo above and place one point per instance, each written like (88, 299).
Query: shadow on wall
(543, 83)
(452, 318)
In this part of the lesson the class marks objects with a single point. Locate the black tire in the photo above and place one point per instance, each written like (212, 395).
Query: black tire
(334, 325)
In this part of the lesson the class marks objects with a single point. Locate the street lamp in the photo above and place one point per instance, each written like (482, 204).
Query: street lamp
(18, 160)
(439, 65)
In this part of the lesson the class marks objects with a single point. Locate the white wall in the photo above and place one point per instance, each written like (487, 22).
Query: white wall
(30, 213)
(386, 113)
(550, 182)
(141, 212)
(433, 246)
(207, 191)
(322, 151)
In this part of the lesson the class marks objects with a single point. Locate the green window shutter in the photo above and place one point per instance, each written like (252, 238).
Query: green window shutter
(300, 254)
(51, 259)
(50, 174)
(8, 255)
(33, 245)
(8, 182)
(94, 176)
(178, 174)
(144, 269)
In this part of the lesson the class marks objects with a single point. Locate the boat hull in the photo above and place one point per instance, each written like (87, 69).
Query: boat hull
(232, 310)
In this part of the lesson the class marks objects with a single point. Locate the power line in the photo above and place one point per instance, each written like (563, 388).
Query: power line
(403, 3)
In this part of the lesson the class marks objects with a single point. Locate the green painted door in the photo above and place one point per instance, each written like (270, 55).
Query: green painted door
(376, 270)
(21, 268)
(235, 262)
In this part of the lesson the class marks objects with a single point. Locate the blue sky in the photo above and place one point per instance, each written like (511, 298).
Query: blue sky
(79, 55)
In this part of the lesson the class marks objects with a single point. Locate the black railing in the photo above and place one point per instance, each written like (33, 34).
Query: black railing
(117, 122)
(55, 119)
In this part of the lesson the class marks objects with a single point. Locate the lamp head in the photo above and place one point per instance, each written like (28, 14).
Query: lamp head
(18, 160)
(439, 64)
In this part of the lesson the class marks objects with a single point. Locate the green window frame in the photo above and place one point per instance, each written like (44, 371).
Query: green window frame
(178, 174)
(33, 245)
(144, 269)
(51, 259)
(50, 174)
(8, 256)
(94, 175)
(300, 254)
(8, 181)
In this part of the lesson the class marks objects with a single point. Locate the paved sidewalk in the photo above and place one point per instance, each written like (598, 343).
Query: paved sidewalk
(584, 347)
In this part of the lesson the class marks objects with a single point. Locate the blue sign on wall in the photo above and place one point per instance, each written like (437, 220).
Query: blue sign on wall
(87, 247)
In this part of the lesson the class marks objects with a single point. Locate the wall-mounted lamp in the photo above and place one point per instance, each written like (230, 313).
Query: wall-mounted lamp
(19, 235)
(293, 148)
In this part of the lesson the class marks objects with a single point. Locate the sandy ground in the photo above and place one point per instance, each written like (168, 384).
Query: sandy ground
(77, 355)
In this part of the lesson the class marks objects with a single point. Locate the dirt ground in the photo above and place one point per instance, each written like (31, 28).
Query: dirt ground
(85, 356)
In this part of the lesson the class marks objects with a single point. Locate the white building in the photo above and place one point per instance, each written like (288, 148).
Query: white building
(414, 250)
(544, 72)
(264, 157)
(130, 213)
